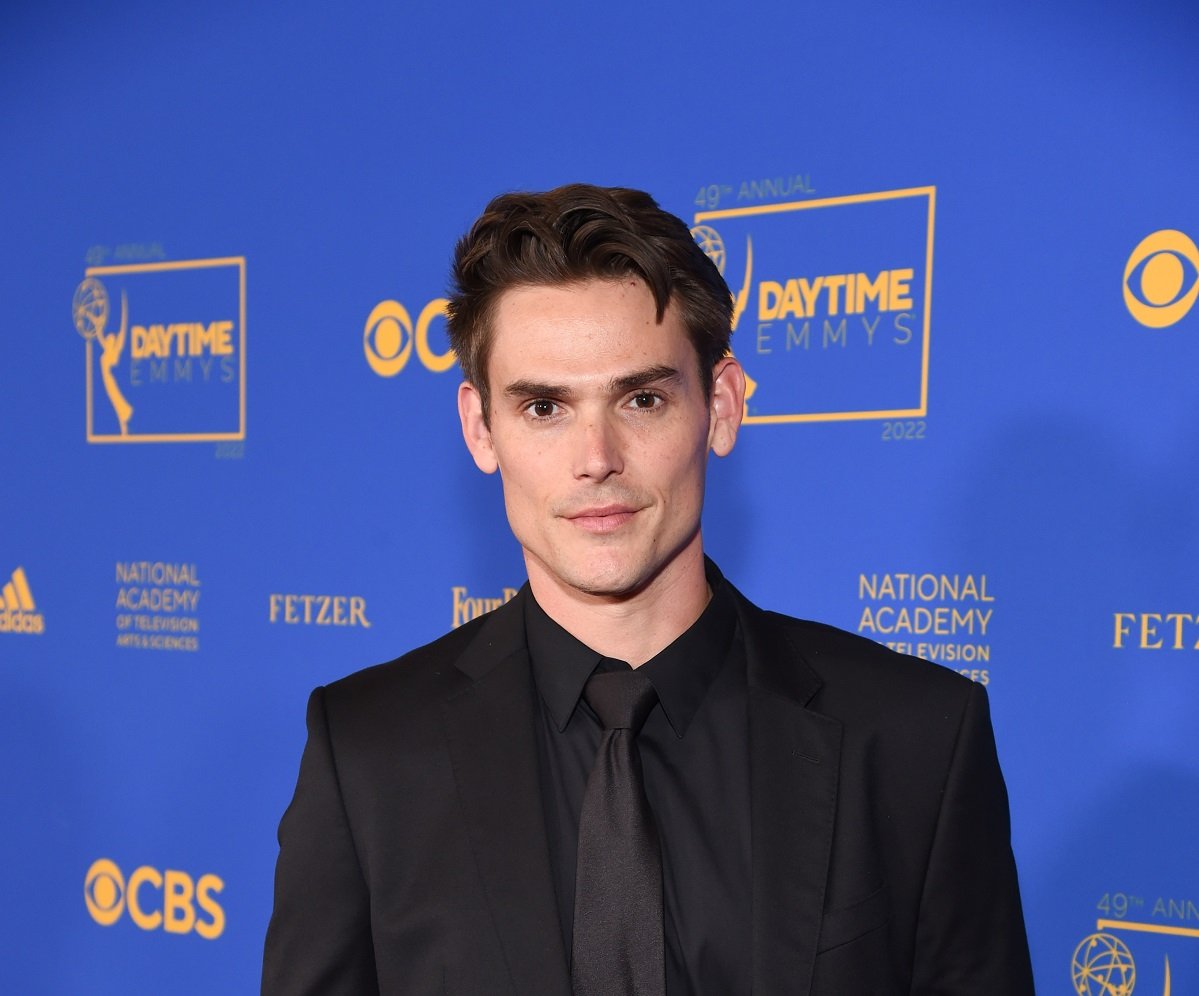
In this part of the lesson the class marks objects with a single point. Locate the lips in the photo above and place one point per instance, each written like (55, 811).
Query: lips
(602, 519)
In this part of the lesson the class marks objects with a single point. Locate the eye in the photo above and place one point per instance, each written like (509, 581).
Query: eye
(645, 400)
(542, 408)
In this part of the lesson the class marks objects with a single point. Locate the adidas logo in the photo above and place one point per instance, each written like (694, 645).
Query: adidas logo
(18, 613)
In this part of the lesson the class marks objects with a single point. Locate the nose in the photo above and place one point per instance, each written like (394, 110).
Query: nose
(598, 452)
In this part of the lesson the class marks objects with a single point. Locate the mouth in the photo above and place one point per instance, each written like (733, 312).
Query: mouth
(602, 519)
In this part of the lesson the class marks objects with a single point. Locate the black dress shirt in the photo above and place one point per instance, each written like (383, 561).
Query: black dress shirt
(695, 757)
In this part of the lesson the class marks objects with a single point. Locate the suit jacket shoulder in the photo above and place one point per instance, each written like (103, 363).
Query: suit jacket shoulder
(403, 693)
(412, 857)
(918, 886)
(844, 674)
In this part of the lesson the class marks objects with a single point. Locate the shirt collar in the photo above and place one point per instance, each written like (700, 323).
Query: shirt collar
(681, 673)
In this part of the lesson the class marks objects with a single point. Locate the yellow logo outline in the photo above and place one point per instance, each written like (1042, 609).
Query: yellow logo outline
(113, 344)
(884, 195)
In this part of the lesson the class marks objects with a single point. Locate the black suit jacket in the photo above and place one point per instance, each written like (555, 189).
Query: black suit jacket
(413, 858)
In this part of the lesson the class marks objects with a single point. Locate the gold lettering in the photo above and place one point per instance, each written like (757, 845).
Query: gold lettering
(866, 289)
(179, 916)
(435, 362)
(144, 874)
(1178, 618)
(833, 285)
(898, 292)
(770, 295)
(459, 607)
(358, 612)
(214, 927)
(1147, 631)
(809, 291)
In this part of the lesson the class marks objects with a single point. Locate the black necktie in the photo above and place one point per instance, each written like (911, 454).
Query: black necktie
(618, 948)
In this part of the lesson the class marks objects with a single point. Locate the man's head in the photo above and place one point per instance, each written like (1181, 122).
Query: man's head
(575, 234)
(586, 388)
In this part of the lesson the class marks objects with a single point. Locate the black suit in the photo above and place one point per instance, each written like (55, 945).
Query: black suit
(413, 858)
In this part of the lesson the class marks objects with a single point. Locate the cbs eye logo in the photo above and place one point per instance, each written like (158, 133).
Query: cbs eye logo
(154, 899)
(389, 338)
(1161, 279)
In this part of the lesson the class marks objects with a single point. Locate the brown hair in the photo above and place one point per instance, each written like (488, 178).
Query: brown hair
(576, 233)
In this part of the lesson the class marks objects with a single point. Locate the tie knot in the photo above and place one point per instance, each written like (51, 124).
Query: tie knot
(621, 699)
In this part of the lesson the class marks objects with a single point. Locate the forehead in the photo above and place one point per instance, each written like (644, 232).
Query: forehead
(584, 327)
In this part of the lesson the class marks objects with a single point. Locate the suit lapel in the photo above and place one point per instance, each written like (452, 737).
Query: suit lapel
(794, 763)
(795, 759)
(490, 725)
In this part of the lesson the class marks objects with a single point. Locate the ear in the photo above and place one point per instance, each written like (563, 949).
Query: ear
(727, 406)
(474, 428)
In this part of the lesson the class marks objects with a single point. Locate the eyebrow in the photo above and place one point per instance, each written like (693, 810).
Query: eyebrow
(617, 385)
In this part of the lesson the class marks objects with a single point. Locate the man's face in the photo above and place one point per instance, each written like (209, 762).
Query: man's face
(600, 430)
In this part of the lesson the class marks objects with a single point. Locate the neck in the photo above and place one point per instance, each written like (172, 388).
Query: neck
(632, 627)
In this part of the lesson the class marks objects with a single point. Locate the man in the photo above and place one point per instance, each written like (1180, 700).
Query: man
(783, 808)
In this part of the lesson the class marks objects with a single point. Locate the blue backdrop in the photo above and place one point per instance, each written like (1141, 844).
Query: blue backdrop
(962, 239)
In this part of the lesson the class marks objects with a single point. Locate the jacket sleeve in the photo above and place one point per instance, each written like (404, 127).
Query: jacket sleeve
(319, 939)
(970, 938)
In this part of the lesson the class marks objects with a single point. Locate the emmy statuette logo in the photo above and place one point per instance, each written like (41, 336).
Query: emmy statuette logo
(831, 303)
(171, 367)
(90, 311)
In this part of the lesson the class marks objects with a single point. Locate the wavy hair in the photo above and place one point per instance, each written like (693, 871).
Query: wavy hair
(573, 234)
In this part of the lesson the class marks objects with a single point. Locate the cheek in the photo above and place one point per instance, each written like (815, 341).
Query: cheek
(680, 485)
(524, 482)
(685, 463)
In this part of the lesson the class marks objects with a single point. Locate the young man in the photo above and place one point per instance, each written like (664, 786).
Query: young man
(629, 779)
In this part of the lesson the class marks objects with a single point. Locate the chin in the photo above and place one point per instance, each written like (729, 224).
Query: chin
(606, 586)
(613, 580)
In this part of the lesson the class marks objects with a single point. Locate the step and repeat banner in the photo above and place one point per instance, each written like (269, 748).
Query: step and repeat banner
(962, 240)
